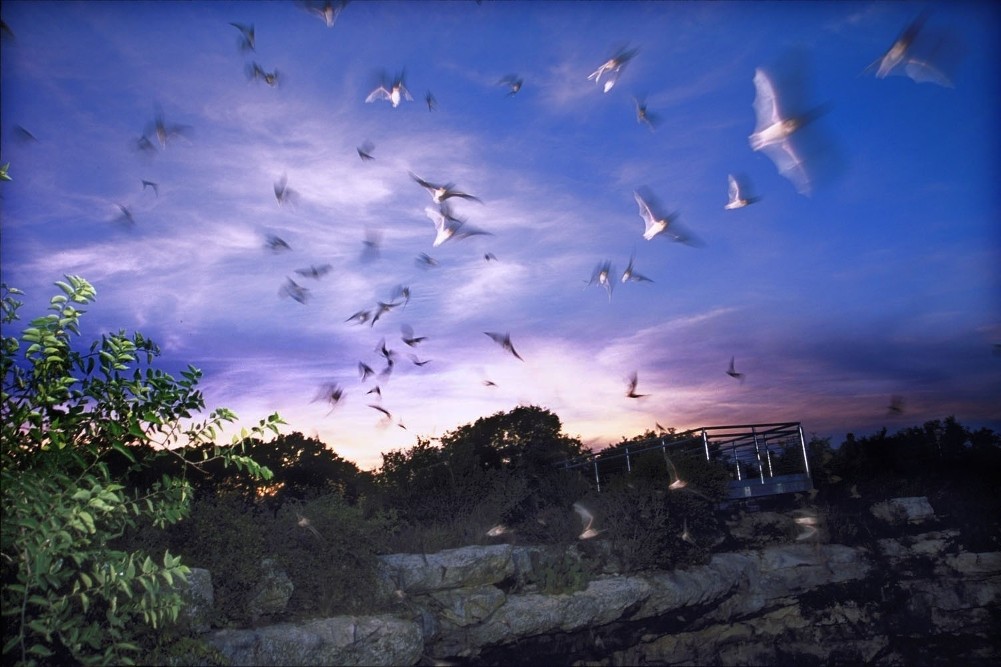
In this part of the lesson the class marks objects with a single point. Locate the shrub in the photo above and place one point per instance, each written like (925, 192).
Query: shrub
(69, 595)
(325, 545)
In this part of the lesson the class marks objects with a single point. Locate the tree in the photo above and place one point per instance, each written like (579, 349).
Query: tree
(68, 594)
(526, 443)
(302, 468)
(528, 437)
(498, 468)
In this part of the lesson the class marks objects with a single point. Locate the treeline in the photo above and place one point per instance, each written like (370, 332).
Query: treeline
(908, 460)
(497, 479)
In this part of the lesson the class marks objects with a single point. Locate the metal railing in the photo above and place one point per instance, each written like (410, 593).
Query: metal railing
(763, 459)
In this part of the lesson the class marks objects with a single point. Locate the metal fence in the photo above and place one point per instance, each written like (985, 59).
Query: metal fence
(763, 459)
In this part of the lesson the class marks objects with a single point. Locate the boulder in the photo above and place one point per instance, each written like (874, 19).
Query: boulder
(695, 585)
(898, 511)
(603, 601)
(466, 606)
(271, 593)
(465, 567)
(344, 640)
(196, 615)
(968, 564)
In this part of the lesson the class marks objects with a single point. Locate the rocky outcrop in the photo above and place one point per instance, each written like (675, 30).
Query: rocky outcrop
(732, 585)
(903, 510)
(887, 602)
(363, 640)
(466, 567)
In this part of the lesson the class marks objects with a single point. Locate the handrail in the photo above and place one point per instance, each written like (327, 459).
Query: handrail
(744, 448)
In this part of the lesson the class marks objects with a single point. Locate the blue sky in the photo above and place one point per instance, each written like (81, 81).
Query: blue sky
(883, 282)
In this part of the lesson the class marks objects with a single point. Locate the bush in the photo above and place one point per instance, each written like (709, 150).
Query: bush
(325, 545)
(651, 525)
(69, 595)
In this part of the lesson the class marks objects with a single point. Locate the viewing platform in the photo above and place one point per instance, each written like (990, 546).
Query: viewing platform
(763, 459)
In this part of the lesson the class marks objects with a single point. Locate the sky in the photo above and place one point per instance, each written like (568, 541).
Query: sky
(867, 275)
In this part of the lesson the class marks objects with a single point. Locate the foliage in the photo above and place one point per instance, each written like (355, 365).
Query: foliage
(662, 513)
(566, 575)
(956, 468)
(527, 437)
(176, 649)
(69, 594)
(302, 468)
(326, 546)
(329, 549)
(499, 469)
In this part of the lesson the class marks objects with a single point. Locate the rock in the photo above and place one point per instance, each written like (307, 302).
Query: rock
(198, 600)
(903, 510)
(781, 604)
(791, 569)
(346, 640)
(603, 601)
(695, 585)
(272, 592)
(466, 606)
(465, 567)
(974, 564)
(924, 545)
(759, 529)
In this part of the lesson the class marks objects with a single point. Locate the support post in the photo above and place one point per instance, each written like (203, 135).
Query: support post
(802, 443)
(757, 453)
(736, 461)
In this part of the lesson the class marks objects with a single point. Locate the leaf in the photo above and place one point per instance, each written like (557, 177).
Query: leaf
(125, 451)
(39, 627)
(11, 643)
(40, 650)
(87, 520)
(100, 504)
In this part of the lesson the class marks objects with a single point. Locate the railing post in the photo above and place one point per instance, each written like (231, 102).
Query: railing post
(629, 466)
(705, 443)
(736, 461)
(757, 453)
(597, 480)
(802, 442)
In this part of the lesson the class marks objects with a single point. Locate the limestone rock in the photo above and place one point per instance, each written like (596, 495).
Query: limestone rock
(466, 606)
(345, 640)
(603, 601)
(465, 567)
(783, 603)
(903, 510)
(196, 614)
(272, 592)
(695, 585)
(974, 564)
